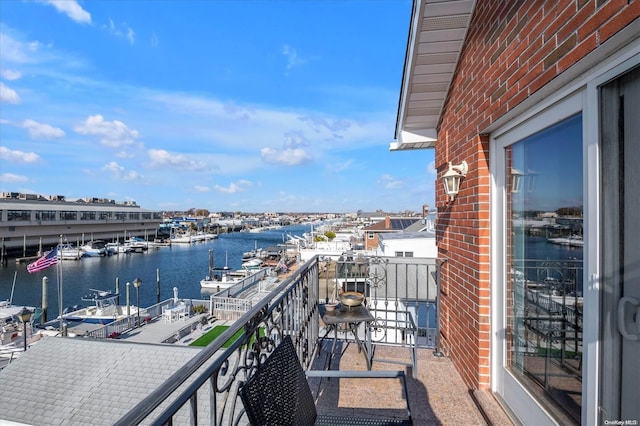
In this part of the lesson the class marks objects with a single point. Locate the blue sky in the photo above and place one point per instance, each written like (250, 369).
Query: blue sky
(251, 106)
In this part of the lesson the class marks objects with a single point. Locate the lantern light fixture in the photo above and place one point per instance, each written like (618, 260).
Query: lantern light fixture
(516, 180)
(453, 176)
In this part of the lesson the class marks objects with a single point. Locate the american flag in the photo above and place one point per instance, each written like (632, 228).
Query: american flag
(44, 262)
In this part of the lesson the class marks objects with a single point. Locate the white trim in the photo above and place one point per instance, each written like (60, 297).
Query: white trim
(592, 257)
(511, 390)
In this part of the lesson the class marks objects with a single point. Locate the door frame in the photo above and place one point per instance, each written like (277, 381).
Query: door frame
(582, 92)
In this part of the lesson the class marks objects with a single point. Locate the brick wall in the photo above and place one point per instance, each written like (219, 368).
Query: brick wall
(513, 48)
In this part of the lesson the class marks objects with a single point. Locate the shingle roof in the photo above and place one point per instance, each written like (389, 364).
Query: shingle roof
(74, 381)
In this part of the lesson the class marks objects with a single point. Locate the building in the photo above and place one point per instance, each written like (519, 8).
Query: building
(417, 240)
(36, 221)
(533, 106)
(388, 225)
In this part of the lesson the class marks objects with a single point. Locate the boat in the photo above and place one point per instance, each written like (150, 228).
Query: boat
(104, 311)
(219, 278)
(181, 239)
(252, 263)
(67, 251)
(256, 253)
(117, 248)
(572, 241)
(10, 325)
(94, 248)
(137, 244)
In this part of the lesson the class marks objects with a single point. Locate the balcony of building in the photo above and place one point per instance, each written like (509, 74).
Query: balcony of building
(402, 297)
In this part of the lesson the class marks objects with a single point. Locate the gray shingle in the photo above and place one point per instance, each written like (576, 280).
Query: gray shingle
(69, 380)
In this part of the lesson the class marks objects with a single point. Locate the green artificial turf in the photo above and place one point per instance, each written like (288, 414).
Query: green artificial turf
(213, 334)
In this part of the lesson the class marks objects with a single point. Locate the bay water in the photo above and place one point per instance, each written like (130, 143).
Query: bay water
(180, 265)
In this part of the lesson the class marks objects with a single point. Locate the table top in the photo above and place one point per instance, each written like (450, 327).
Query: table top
(345, 314)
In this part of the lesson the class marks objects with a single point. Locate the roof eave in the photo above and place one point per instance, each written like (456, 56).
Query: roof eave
(436, 37)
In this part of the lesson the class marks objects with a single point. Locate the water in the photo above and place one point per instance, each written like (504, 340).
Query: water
(181, 266)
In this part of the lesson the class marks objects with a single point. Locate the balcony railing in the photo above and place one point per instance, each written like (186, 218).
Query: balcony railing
(205, 389)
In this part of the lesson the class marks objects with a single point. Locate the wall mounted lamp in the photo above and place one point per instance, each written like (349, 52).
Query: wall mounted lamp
(516, 180)
(452, 178)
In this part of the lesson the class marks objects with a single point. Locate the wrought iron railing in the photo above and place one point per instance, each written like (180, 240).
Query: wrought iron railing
(204, 391)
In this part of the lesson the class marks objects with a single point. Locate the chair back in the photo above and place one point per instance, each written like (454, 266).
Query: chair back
(278, 392)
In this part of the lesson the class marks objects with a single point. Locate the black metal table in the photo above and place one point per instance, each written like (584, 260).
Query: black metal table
(351, 317)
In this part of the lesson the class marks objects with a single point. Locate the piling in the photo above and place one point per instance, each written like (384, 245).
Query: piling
(157, 286)
(45, 304)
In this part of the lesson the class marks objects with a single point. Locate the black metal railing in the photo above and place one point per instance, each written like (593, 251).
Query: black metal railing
(205, 389)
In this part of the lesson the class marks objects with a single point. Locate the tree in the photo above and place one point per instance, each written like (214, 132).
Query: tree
(330, 235)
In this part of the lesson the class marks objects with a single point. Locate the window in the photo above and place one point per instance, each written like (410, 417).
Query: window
(45, 215)
(399, 254)
(544, 244)
(68, 215)
(87, 215)
(408, 254)
(19, 215)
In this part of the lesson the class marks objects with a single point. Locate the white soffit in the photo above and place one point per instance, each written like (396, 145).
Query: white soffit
(436, 37)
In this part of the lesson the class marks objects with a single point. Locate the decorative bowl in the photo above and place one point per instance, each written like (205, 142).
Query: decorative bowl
(330, 307)
(352, 298)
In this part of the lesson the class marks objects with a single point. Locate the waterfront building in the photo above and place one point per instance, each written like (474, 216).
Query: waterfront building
(533, 106)
(29, 221)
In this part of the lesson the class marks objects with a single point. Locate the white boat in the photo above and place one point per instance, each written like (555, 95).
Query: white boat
(137, 244)
(104, 311)
(219, 278)
(94, 248)
(252, 263)
(9, 312)
(117, 248)
(572, 241)
(181, 239)
(67, 251)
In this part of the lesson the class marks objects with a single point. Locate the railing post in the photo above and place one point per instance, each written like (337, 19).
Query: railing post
(437, 352)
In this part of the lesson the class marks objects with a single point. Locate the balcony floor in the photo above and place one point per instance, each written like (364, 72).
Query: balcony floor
(437, 397)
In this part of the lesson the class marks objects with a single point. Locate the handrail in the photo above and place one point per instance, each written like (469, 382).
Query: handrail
(204, 390)
(247, 322)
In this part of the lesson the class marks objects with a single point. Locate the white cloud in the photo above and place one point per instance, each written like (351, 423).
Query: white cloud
(234, 187)
(72, 9)
(118, 172)
(11, 74)
(201, 188)
(114, 134)
(340, 167)
(288, 156)
(18, 156)
(163, 158)
(121, 31)
(12, 178)
(41, 131)
(8, 95)
(390, 182)
(292, 57)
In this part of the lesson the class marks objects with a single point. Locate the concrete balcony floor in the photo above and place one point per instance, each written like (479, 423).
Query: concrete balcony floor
(437, 396)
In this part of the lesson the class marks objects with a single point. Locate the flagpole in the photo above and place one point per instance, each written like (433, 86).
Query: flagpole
(59, 279)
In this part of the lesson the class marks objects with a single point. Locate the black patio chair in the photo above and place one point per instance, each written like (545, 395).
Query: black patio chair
(279, 394)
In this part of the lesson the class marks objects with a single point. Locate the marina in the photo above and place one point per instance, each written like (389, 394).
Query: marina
(181, 265)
